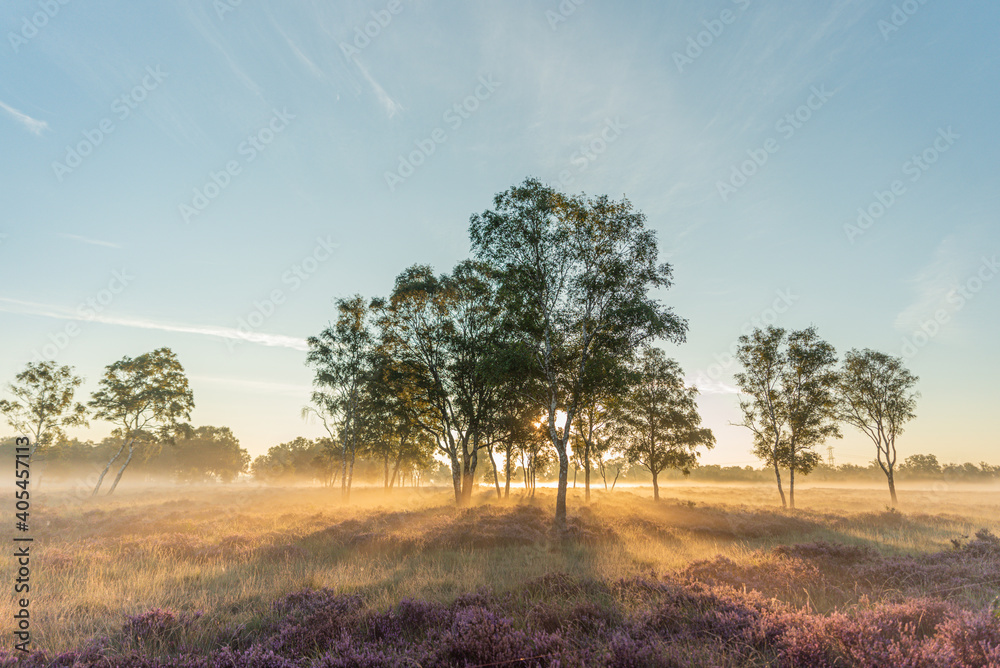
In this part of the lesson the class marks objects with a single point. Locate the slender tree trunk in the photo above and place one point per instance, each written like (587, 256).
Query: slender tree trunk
(395, 472)
(386, 462)
(131, 451)
(524, 470)
(791, 477)
(586, 469)
(100, 479)
(468, 473)
(349, 475)
(343, 471)
(656, 487)
(563, 480)
(506, 466)
(496, 475)
(456, 478)
(777, 476)
(892, 487)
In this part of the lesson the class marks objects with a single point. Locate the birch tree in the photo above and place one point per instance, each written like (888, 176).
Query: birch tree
(788, 398)
(876, 396)
(661, 415)
(342, 356)
(145, 398)
(43, 403)
(576, 275)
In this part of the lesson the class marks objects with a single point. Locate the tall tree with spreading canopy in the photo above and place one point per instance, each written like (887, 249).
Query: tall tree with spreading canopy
(443, 333)
(343, 356)
(661, 417)
(43, 402)
(877, 397)
(788, 385)
(576, 275)
(145, 398)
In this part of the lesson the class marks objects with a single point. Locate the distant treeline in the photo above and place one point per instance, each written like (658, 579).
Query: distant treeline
(213, 454)
(197, 455)
(915, 467)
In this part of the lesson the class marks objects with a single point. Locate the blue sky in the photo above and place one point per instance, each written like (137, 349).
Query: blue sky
(208, 176)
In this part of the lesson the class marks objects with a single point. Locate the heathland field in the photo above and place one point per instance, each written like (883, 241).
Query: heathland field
(243, 575)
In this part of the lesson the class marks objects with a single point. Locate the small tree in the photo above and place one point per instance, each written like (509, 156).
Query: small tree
(662, 418)
(810, 384)
(608, 460)
(762, 407)
(789, 403)
(208, 453)
(876, 397)
(43, 403)
(342, 356)
(515, 424)
(143, 397)
(298, 460)
(921, 465)
(596, 426)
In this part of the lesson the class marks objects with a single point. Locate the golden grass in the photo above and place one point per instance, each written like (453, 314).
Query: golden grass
(231, 550)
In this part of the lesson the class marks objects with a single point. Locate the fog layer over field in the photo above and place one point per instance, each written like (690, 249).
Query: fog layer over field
(174, 569)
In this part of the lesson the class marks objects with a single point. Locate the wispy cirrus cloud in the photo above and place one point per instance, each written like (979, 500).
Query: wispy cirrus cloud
(707, 385)
(392, 108)
(935, 281)
(227, 333)
(33, 125)
(85, 240)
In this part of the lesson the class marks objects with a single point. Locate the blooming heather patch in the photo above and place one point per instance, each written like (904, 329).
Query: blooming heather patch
(829, 575)
(158, 623)
(644, 623)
